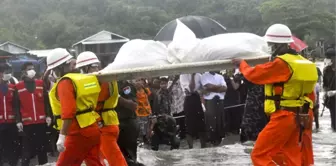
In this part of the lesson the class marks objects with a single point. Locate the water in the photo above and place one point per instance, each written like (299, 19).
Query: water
(231, 153)
(236, 154)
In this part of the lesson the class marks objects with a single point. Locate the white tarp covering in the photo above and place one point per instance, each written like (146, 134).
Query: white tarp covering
(185, 54)
(139, 53)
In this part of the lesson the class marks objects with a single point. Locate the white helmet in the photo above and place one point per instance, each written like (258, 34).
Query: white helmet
(57, 57)
(86, 58)
(278, 33)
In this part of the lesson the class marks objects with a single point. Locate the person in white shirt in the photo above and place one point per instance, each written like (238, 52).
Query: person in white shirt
(194, 115)
(215, 87)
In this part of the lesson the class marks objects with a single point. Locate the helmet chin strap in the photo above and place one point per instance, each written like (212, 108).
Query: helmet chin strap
(278, 50)
(84, 70)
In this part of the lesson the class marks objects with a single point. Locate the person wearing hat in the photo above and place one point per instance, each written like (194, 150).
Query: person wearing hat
(73, 99)
(109, 98)
(329, 85)
(289, 100)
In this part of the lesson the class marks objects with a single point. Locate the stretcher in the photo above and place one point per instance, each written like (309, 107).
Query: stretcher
(173, 69)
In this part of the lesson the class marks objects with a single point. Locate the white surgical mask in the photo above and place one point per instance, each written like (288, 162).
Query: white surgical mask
(31, 73)
(327, 62)
(7, 77)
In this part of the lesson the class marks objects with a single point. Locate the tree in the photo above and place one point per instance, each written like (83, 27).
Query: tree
(306, 18)
(49, 23)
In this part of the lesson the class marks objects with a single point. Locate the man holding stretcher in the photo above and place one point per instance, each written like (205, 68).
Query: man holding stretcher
(73, 99)
(289, 84)
(87, 62)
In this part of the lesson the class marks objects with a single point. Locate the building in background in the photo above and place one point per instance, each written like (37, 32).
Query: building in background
(104, 44)
(13, 48)
(39, 53)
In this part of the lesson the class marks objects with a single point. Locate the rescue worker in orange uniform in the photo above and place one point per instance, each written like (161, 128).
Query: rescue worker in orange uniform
(287, 89)
(307, 148)
(87, 62)
(73, 99)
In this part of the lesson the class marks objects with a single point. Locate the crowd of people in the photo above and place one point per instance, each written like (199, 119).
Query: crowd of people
(88, 121)
(165, 110)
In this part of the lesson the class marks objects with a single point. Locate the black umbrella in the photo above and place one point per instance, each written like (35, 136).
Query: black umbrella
(202, 27)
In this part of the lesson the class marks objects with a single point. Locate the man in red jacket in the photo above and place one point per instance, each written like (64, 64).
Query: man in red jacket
(32, 115)
(8, 133)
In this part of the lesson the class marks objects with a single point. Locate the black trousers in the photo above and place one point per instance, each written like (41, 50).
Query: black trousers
(182, 125)
(332, 109)
(215, 120)
(9, 144)
(233, 119)
(34, 142)
(52, 135)
(127, 141)
(316, 116)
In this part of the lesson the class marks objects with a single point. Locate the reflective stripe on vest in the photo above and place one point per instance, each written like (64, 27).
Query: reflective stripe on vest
(87, 91)
(31, 103)
(292, 93)
(6, 111)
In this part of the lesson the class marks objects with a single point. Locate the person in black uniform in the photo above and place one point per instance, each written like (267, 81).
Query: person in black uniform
(233, 116)
(329, 85)
(128, 127)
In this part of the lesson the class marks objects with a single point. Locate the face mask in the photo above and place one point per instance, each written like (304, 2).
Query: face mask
(127, 90)
(31, 73)
(328, 62)
(7, 77)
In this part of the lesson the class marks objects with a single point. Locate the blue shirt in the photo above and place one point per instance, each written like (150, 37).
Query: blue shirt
(4, 88)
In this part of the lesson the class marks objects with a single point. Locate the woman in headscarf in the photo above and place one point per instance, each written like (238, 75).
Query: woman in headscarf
(254, 118)
(178, 96)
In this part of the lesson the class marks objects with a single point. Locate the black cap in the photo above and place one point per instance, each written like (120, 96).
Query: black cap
(164, 79)
(330, 52)
(5, 67)
(25, 65)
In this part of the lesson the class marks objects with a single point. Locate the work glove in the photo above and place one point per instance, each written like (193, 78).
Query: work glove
(48, 121)
(100, 124)
(331, 93)
(60, 143)
(19, 126)
(203, 107)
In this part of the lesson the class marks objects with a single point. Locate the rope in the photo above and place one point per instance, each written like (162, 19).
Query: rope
(233, 106)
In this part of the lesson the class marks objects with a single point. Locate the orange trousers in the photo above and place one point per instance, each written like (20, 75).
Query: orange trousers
(109, 146)
(279, 139)
(81, 147)
(306, 149)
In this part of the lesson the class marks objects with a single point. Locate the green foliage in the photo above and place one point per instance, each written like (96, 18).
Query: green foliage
(60, 23)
